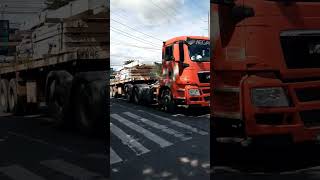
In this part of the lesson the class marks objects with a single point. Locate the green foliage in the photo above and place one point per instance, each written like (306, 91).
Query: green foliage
(55, 4)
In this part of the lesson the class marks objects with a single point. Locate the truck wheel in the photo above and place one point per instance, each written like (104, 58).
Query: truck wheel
(136, 96)
(58, 96)
(167, 101)
(91, 106)
(16, 103)
(4, 84)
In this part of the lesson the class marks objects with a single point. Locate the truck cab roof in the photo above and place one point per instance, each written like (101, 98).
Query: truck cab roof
(183, 38)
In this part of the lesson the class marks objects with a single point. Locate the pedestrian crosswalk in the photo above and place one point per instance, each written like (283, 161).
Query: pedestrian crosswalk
(141, 132)
(59, 166)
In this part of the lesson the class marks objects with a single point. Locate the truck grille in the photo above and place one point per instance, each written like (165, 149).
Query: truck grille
(204, 77)
(309, 94)
(310, 118)
(301, 49)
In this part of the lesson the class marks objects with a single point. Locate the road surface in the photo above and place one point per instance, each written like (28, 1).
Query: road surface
(32, 148)
(290, 162)
(147, 143)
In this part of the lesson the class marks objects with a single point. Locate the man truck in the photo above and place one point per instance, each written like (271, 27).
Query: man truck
(185, 77)
(266, 71)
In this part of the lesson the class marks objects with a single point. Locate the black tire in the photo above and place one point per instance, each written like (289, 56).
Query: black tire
(167, 101)
(135, 94)
(4, 85)
(58, 91)
(91, 107)
(17, 104)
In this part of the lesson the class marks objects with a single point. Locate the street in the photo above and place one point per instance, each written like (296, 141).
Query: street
(292, 162)
(147, 143)
(32, 148)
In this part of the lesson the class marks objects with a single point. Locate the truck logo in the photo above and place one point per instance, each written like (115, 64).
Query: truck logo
(208, 77)
(314, 49)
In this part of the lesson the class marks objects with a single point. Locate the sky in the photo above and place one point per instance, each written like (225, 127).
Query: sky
(19, 11)
(139, 27)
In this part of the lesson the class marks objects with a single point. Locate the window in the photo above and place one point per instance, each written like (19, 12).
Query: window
(169, 53)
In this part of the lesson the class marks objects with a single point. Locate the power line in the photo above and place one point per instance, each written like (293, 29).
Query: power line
(137, 30)
(131, 45)
(162, 10)
(131, 36)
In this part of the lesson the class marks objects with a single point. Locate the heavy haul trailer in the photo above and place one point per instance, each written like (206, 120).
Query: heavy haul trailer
(266, 70)
(185, 76)
(64, 69)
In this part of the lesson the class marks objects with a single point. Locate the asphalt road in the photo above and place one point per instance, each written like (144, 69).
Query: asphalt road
(148, 144)
(32, 148)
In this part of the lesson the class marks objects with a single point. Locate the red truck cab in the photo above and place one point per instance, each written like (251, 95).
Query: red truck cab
(266, 69)
(185, 72)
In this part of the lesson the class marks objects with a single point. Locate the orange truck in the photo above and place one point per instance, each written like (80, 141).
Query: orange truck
(185, 77)
(266, 69)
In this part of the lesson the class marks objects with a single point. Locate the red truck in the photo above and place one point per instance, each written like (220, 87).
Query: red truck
(185, 77)
(266, 70)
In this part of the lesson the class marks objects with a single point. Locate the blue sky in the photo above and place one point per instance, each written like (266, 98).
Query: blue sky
(138, 27)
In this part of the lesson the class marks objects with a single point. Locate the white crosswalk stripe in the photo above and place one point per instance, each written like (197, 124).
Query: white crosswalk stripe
(159, 126)
(16, 172)
(114, 157)
(128, 140)
(71, 170)
(151, 136)
(177, 123)
(125, 125)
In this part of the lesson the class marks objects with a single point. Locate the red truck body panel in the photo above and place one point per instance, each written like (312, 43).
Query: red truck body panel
(276, 47)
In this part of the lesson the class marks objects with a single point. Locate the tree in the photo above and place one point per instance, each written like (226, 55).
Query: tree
(55, 4)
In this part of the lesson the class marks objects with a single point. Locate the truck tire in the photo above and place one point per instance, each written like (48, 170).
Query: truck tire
(167, 101)
(90, 106)
(58, 89)
(135, 94)
(16, 103)
(128, 91)
(4, 85)
(90, 103)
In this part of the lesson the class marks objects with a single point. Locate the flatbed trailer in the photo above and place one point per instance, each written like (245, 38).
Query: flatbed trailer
(66, 71)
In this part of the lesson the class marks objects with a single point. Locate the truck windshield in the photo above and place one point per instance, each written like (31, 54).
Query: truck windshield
(199, 50)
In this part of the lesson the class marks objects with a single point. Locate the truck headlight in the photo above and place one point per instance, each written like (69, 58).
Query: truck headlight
(194, 92)
(269, 97)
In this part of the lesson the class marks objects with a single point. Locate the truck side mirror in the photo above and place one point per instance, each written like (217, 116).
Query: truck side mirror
(185, 65)
(241, 12)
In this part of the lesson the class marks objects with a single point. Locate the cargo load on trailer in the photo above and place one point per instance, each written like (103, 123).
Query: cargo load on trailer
(61, 63)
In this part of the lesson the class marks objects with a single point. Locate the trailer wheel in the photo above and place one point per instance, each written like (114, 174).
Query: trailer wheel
(136, 96)
(16, 103)
(91, 106)
(4, 85)
(58, 96)
(167, 101)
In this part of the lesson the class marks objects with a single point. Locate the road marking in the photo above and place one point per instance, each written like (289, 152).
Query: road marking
(153, 137)
(71, 170)
(40, 141)
(126, 139)
(158, 126)
(177, 123)
(19, 173)
(114, 157)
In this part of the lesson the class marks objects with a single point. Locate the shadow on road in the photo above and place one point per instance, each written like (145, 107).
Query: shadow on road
(267, 159)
